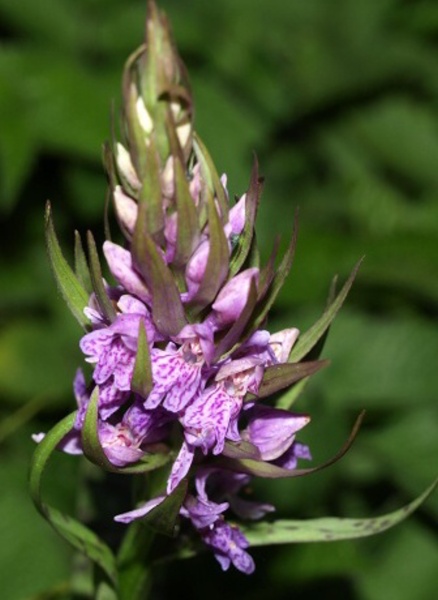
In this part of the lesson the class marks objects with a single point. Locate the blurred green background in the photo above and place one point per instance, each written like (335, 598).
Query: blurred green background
(339, 99)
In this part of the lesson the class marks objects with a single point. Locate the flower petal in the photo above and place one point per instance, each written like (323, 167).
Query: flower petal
(138, 513)
(180, 467)
(120, 263)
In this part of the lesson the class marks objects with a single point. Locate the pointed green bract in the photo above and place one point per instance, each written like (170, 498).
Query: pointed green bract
(68, 283)
(308, 340)
(211, 176)
(275, 283)
(217, 262)
(167, 309)
(268, 272)
(241, 449)
(329, 529)
(163, 517)
(105, 304)
(188, 226)
(150, 195)
(158, 61)
(278, 377)
(81, 266)
(79, 536)
(142, 382)
(245, 240)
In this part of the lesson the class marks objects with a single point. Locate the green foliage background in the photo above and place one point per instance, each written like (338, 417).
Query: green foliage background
(339, 99)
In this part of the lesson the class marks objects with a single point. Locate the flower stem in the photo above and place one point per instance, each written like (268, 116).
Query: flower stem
(134, 572)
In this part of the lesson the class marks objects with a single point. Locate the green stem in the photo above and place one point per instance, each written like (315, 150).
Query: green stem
(134, 571)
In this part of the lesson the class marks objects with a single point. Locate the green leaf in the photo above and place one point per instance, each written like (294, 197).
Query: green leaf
(79, 536)
(68, 284)
(142, 382)
(102, 297)
(308, 340)
(328, 529)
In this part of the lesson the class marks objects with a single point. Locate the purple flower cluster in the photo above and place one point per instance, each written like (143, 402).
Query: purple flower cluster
(211, 399)
(181, 360)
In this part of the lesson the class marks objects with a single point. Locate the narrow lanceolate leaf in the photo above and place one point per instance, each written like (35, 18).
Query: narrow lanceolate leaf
(93, 449)
(142, 381)
(68, 283)
(211, 176)
(81, 266)
(105, 304)
(271, 471)
(311, 337)
(217, 262)
(188, 227)
(329, 529)
(167, 309)
(252, 200)
(163, 517)
(279, 377)
(79, 536)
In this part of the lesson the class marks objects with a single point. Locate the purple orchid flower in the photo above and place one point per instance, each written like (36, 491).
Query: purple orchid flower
(178, 371)
(207, 517)
(229, 544)
(127, 441)
(113, 350)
